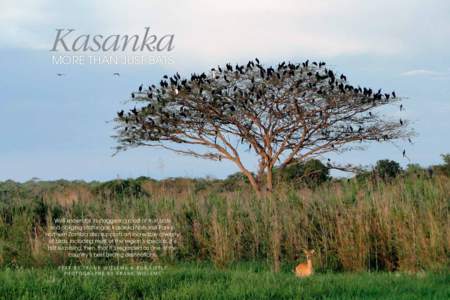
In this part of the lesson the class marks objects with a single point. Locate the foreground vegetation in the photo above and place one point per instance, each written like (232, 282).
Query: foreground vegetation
(353, 225)
(245, 281)
(230, 241)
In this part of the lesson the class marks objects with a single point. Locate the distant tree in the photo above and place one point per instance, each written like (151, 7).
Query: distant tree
(311, 173)
(445, 167)
(387, 169)
(415, 169)
(121, 188)
(446, 159)
(234, 181)
(283, 113)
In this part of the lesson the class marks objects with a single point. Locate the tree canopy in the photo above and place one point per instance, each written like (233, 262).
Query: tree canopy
(285, 113)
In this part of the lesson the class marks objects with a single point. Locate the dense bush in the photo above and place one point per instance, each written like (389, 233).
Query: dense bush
(234, 182)
(121, 188)
(310, 173)
(387, 169)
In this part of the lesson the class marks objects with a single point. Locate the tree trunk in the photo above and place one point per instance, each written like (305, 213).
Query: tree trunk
(269, 180)
(255, 185)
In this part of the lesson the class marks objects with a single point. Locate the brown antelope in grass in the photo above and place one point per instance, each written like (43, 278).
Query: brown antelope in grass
(305, 269)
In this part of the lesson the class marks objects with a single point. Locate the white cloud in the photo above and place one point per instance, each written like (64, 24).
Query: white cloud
(220, 30)
(424, 72)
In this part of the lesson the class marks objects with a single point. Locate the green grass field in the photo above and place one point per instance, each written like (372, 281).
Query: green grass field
(246, 281)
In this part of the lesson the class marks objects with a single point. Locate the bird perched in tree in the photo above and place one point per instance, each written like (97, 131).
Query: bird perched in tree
(120, 114)
(116, 74)
(404, 153)
(298, 101)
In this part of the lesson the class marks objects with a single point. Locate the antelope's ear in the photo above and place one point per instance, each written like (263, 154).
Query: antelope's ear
(312, 251)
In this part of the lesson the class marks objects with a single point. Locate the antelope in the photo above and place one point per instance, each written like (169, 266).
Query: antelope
(305, 269)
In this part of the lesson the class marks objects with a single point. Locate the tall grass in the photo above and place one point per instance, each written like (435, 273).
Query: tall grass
(353, 226)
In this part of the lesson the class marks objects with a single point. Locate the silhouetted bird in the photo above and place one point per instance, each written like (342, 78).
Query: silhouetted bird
(401, 107)
(120, 114)
(132, 95)
(257, 60)
(393, 95)
(60, 74)
(140, 88)
(404, 153)
(116, 74)
(401, 122)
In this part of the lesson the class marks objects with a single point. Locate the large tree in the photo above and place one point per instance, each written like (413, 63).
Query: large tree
(291, 112)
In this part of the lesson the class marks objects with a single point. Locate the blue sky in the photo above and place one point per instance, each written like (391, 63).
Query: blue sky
(57, 127)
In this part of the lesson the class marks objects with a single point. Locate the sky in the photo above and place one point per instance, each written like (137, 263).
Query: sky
(59, 127)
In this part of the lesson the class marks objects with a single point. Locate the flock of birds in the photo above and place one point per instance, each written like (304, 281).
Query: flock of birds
(315, 70)
(243, 82)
